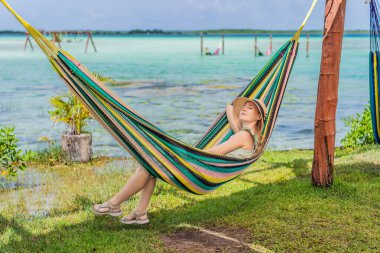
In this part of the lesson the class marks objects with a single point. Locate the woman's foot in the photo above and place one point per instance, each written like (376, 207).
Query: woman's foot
(135, 218)
(107, 208)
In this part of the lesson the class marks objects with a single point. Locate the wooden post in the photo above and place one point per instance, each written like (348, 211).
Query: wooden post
(270, 44)
(307, 45)
(92, 42)
(89, 38)
(201, 43)
(86, 47)
(28, 41)
(55, 38)
(222, 43)
(255, 45)
(327, 98)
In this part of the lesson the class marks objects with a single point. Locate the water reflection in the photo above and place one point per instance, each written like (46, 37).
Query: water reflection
(31, 192)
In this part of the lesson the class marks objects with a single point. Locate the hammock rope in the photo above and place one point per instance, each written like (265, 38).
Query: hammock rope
(188, 167)
(374, 69)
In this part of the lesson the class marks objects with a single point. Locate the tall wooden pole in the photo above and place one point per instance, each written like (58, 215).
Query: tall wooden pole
(255, 45)
(55, 39)
(327, 98)
(92, 41)
(270, 44)
(28, 41)
(86, 46)
(222, 43)
(201, 43)
(89, 38)
(307, 45)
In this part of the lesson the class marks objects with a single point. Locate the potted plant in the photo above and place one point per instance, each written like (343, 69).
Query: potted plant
(76, 142)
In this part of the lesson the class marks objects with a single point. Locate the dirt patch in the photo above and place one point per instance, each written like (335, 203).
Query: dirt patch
(210, 239)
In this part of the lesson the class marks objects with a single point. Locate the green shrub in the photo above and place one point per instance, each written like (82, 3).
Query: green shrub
(11, 157)
(361, 131)
(51, 154)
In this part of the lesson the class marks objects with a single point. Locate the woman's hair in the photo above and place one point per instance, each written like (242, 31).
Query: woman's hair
(259, 128)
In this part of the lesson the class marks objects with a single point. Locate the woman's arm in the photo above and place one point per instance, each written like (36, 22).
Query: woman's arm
(230, 118)
(234, 142)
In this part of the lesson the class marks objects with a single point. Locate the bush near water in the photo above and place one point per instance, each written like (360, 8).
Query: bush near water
(360, 129)
(12, 159)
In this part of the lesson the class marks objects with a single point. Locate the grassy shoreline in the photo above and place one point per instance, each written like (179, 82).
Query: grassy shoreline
(270, 207)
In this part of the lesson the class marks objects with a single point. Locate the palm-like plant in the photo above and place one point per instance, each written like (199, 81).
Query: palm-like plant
(69, 110)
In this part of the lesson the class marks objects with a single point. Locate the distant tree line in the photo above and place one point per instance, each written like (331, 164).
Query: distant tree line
(11, 32)
(205, 32)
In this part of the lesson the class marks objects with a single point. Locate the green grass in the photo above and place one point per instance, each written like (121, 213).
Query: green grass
(273, 203)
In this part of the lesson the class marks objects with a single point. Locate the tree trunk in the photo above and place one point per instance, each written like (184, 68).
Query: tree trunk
(327, 98)
(77, 148)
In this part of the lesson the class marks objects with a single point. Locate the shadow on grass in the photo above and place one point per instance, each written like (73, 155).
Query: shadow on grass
(17, 228)
(103, 233)
(358, 171)
(300, 168)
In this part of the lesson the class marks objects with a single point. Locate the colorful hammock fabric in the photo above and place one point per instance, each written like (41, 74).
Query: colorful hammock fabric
(188, 167)
(374, 70)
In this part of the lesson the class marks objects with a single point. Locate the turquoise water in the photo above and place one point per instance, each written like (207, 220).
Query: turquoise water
(174, 87)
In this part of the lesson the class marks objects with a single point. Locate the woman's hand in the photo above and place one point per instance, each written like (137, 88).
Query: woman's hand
(229, 113)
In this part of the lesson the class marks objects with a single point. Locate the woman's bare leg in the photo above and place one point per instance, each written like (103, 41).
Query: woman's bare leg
(142, 205)
(134, 185)
(145, 195)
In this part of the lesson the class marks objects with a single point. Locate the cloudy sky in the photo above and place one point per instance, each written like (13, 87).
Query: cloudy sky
(175, 14)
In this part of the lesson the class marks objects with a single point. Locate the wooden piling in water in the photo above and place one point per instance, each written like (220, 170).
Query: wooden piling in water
(89, 38)
(222, 43)
(270, 44)
(55, 39)
(255, 45)
(28, 41)
(201, 34)
(307, 45)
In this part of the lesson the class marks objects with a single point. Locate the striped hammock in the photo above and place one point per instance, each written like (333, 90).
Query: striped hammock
(188, 167)
(374, 70)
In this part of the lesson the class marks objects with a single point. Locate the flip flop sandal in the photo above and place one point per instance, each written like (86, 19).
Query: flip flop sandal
(135, 218)
(106, 208)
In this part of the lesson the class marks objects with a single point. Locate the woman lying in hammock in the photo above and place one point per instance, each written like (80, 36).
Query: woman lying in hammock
(246, 118)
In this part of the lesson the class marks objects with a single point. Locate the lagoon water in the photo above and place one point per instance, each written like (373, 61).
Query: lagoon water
(172, 86)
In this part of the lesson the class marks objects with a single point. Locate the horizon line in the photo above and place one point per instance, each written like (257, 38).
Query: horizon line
(205, 31)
